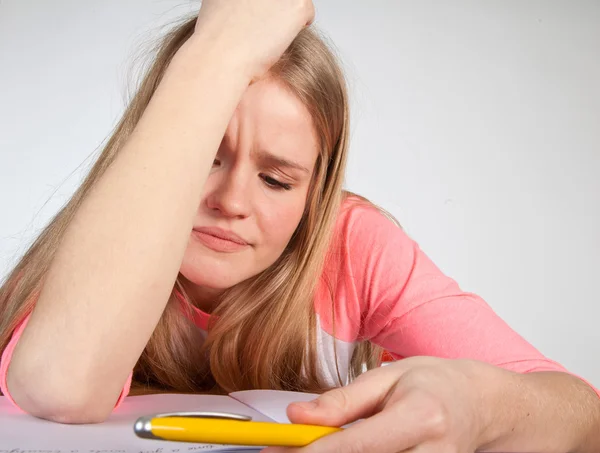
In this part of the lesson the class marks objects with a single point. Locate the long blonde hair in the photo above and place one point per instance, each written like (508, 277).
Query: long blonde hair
(263, 332)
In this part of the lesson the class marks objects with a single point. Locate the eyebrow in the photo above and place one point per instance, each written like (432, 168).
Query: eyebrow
(270, 158)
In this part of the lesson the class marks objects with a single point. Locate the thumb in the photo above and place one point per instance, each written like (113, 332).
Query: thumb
(362, 398)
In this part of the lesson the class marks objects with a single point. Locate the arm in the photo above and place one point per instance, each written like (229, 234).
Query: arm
(544, 412)
(482, 386)
(6, 357)
(114, 269)
(116, 265)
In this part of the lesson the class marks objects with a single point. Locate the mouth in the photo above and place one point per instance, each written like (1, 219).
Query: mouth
(219, 240)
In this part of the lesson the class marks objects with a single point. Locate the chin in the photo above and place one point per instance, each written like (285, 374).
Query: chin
(214, 275)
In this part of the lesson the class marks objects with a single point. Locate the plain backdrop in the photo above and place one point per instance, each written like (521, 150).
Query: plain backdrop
(477, 124)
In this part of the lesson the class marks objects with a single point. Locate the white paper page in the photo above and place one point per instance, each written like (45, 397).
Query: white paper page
(22, 433)
(272, 403)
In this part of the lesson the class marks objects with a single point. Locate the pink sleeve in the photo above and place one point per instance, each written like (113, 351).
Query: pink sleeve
(410, 308)
(7, 355)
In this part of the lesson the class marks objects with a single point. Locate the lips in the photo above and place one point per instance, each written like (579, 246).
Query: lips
(219, 240)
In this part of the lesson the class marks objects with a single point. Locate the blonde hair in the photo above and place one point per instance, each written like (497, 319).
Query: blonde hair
(269, 339)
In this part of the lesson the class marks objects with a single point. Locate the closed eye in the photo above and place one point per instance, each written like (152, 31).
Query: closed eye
(274, 184)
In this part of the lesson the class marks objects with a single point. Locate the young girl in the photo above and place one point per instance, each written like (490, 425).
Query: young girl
(212, 247)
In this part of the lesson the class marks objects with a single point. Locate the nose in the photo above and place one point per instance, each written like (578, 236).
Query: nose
(230, 196)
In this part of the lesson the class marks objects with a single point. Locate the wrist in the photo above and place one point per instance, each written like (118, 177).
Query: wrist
(203, 49)
(497, 390)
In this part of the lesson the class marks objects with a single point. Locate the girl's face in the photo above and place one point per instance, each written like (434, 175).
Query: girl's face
(256, 192)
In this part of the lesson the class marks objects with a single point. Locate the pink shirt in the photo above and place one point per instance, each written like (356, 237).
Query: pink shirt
(386, 290)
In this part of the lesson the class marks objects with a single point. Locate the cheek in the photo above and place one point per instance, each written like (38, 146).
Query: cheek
(278, 220)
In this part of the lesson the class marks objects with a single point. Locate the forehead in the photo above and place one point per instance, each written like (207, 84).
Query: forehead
(274, 120)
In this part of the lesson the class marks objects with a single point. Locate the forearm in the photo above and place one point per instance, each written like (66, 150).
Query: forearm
(120, 255)
(543, 412)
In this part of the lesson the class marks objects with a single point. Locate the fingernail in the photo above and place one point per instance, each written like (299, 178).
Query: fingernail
(308, 405)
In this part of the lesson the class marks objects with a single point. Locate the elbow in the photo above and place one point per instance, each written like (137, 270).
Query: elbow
(64, 409)
(69, 412)
(57, 403)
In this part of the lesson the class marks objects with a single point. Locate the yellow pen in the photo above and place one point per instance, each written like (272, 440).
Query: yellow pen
(227, 428)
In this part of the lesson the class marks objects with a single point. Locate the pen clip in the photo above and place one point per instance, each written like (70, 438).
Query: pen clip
(205, 414)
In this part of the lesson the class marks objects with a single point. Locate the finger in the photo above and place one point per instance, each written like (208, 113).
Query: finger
(361, 398)
(393, 430)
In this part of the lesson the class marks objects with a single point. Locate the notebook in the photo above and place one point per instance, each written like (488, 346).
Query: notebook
(22, 433)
